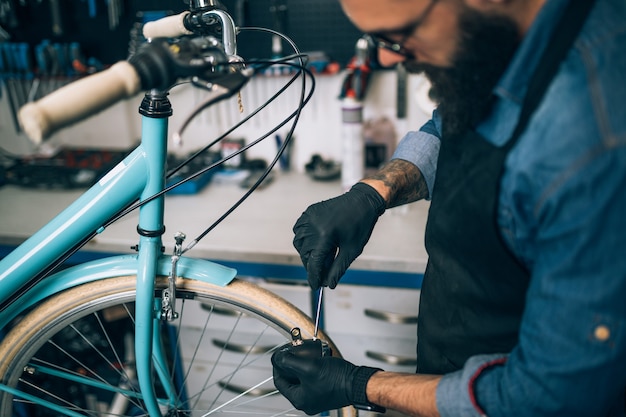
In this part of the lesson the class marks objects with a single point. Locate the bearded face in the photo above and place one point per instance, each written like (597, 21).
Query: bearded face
(463, 91)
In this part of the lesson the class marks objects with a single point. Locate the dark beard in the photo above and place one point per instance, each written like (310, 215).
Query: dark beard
(463, 91)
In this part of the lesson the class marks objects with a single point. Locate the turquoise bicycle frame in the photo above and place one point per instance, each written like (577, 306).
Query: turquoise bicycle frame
(139, 176)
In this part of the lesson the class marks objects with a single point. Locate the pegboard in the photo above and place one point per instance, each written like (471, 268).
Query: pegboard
(33, 24)
(315, 25)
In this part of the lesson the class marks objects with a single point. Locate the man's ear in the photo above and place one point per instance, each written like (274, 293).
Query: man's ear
(487, 4)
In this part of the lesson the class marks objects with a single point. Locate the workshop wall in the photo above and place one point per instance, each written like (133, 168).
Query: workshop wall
(105, 29)
(315, 25)
(319, 130)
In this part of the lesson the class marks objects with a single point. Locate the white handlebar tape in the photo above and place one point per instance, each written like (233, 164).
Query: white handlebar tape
(79, 100)
(168, 27)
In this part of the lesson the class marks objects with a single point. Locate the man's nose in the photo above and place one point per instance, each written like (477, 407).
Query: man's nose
(387, 58)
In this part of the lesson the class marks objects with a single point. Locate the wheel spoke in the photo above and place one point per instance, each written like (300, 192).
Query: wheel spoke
(78, 351)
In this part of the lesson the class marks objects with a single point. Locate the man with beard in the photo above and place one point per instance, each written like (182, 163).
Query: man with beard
(522, 307)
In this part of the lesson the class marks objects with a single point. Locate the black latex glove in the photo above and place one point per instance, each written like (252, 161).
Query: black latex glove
(340, 226)
(319, 384)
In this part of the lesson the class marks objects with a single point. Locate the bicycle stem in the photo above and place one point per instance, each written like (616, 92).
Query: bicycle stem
(202, 20)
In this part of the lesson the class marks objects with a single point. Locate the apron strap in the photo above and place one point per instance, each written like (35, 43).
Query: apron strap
(561, 41)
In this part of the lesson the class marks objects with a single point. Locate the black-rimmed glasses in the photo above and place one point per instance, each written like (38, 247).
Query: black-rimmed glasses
(380, 40)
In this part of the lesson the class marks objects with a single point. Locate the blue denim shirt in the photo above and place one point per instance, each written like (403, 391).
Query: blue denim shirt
(562, 211)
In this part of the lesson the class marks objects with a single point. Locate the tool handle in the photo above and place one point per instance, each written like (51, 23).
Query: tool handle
(57, 21)
(93, 9)
(79, 100)
(7, 52)
(26, 59)
(167, 27)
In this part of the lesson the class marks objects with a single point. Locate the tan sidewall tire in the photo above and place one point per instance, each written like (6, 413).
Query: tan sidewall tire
(238, 292)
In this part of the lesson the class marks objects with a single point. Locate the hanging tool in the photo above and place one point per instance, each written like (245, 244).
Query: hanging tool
(278, 9)
(401, 93)
(8, 18)
(24, 69)
(53, 64)
(114, 11)
(7, 66)
(2, 72)
(357, 72)
(43, 67)
(78, 62)
(4, 35)
(92, 8)
(55, 14)
(63, 59)
(241, 13)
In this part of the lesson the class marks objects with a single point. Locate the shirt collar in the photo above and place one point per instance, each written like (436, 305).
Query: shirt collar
(514, 82)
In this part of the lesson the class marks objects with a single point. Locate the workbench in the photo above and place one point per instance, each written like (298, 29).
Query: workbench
(256, 238)
(371, 315)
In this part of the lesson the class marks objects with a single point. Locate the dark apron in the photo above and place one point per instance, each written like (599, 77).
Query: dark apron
(474, 288)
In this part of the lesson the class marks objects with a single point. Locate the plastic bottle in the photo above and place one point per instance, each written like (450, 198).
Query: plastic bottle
(352, 162)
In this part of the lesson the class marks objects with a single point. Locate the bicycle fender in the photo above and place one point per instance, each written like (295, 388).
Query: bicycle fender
(115, 266)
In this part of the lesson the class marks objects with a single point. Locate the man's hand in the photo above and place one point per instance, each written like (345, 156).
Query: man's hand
(340, 226)
(319, 384)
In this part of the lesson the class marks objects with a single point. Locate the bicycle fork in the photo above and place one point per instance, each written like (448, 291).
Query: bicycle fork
(155, 109)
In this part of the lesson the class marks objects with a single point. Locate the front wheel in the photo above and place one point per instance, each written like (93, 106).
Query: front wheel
(74, 354)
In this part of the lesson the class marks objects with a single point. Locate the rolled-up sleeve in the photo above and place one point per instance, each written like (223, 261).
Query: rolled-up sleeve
(421, 148)
(456, 394)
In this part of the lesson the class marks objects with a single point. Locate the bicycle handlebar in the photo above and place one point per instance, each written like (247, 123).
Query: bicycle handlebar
(167, 27)
(157, 65)
(79, 100)
(202, 22)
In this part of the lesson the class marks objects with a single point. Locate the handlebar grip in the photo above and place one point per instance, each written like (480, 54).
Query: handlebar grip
(79, 100)
(167, 27)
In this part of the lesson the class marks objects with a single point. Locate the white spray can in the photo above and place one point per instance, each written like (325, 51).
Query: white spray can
(353, 161)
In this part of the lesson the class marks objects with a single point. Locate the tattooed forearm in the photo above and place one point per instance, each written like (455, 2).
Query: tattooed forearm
(403, 180)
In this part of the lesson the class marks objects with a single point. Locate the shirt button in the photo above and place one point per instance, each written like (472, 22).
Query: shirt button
(602, 333)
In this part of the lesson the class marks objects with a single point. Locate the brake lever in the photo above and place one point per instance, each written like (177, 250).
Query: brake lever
(161, 62)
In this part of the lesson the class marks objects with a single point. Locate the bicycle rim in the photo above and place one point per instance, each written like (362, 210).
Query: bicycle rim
(76, 351)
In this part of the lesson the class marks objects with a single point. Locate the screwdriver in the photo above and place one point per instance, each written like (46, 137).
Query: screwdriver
(318, 313)
(328, 261)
